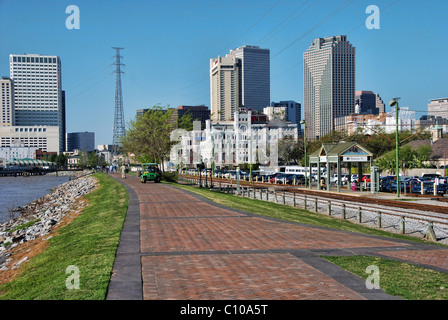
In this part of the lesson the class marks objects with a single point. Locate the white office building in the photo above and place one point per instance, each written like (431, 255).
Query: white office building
(45, 138)
(225, 87)
(16, 152)
(38, 99)
(232, 142)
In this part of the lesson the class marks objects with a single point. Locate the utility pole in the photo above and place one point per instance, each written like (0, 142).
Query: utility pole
(119, 128)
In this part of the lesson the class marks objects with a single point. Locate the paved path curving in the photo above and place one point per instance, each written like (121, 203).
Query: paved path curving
(176, 245)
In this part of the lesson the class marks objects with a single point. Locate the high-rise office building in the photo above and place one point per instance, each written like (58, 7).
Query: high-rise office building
(225, 87)
(7, 102)
(81, 141)
(367, 102)
(293, 110)
(329, 83)
(38, 97)
(255, 76)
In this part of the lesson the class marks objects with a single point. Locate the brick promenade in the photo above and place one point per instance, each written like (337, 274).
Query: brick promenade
(176, 245)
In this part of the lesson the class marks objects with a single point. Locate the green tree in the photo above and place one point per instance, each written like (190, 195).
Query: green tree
(148, 135)
(61, 161)
(290, 150)
(409, 158)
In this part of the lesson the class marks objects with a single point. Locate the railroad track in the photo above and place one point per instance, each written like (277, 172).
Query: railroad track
(341, 196)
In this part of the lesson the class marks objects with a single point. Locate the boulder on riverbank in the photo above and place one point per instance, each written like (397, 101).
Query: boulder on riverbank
(38, 217)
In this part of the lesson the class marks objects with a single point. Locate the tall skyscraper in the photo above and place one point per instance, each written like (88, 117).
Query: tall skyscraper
(255, 76)
(7, 102)
(329, 83)
(38, 98)
(225, 87)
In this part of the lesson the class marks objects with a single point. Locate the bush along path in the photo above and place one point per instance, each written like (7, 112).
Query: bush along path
(64, 246)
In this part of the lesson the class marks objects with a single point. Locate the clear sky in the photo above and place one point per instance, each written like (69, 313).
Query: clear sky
(168, 45)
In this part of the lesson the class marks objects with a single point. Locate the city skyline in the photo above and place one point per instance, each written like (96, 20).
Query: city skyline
(168, 46)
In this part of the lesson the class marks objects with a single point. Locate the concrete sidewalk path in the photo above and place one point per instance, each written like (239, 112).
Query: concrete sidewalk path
(177, 245)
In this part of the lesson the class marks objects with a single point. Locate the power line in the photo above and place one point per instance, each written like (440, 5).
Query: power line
(268, 35)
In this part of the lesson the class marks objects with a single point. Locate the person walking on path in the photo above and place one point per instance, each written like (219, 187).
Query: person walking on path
(123, 171)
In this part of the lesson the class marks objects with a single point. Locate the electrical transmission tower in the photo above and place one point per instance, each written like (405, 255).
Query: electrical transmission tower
(119, 128)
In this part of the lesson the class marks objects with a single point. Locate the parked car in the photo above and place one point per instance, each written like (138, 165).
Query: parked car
(441, 189)
(386, 183)
(405, 182)
(426, 188)
(278, 177)
(299, 179)
(431, 176)
(366, 178)
(344, 178)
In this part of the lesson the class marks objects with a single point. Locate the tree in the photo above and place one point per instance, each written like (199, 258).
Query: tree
(409, 158)
(148, 136)
(290, 150)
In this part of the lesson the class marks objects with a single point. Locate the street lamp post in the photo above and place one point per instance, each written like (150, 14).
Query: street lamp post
(304, 148)
(394, 102)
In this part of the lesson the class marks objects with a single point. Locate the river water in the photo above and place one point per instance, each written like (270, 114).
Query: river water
(19, 191)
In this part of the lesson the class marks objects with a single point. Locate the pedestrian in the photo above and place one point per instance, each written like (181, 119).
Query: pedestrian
(123, 171)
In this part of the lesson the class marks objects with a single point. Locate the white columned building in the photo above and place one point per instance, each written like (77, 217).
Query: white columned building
(233, 143)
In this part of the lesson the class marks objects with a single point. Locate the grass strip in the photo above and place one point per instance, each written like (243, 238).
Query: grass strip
(289, 213)
(89, 242)
(396, 278)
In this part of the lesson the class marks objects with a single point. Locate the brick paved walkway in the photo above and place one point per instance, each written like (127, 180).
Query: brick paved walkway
(176, 245)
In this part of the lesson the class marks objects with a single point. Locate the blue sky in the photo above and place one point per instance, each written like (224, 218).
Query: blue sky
(168, 45)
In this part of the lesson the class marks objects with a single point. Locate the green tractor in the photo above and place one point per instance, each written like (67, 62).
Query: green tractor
(151, 172)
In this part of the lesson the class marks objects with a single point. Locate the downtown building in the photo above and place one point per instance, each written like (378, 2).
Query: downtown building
(367, 102)
(329, 84)
(438, 108)
(80, 141)
(248, 138)
(38, 103)
(225, 87)
(255, 76)
(7, 102)
(241, 79)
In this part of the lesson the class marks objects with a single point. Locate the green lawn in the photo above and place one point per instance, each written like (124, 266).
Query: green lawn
(399, 279)
(89, 243)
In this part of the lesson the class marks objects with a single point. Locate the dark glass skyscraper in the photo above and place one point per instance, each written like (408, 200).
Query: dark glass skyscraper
(255, 76)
